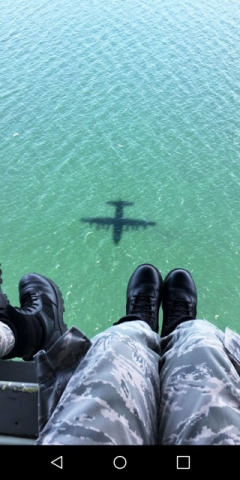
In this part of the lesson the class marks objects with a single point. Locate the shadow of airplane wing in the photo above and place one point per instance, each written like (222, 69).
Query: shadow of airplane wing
(128, 222)
(99, 221)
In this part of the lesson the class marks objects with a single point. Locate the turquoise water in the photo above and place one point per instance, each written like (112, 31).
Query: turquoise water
(133, 100)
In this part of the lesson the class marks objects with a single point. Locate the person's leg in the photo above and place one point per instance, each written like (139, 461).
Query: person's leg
(7, 339)
(112, 397)
(199, 376)
(200, 386)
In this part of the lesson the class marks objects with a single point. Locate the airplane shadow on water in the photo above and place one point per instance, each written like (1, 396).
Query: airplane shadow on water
(118, 222)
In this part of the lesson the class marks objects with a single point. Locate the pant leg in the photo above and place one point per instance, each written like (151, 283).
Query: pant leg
(112, 397)
(200, 386)
(7, 339)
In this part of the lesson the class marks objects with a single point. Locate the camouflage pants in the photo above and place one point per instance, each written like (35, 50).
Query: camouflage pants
(129, 387)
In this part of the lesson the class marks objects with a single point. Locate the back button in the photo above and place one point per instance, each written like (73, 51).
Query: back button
(58, 462)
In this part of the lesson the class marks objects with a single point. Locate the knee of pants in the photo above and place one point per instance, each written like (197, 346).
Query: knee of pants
(132, 332)
(191, 334)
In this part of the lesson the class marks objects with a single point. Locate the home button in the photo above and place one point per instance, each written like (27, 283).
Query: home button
(120, 462)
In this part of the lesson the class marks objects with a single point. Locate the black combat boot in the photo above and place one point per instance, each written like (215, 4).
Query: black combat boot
(38, 323)
(144, 295)
(179, 300)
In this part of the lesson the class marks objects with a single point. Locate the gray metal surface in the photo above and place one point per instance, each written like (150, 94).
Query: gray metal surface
(18, 400)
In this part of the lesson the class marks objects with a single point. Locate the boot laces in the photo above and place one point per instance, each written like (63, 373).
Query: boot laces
(143, 304)
(30, 304)
(29, 299)
(179, 308)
